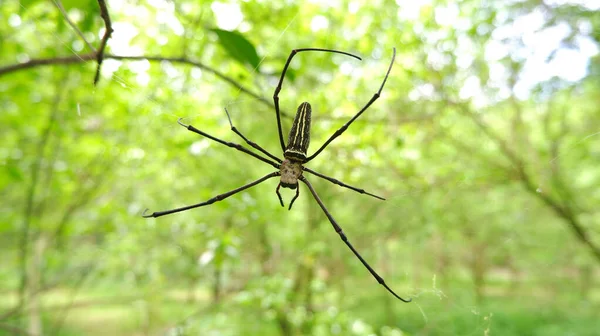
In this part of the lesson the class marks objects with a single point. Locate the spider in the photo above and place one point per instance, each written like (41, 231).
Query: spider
(290, 170)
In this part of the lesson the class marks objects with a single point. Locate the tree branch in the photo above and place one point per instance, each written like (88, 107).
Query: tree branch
(76, 59)
(83, 195)
(107, 32)
(31, 195)
(60, 7)
(562, 210)
(183, 60)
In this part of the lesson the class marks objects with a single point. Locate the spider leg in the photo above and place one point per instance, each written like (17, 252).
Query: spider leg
(229, 144)
(278, 88)
(346, 125)
(250, 142)
(212, 200)
(340, 183)
(340, 232)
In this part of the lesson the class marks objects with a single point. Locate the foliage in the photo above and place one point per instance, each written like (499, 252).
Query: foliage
(484, 146)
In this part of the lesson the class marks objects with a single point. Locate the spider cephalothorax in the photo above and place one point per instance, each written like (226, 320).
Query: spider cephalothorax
(290, 173)
(290, 169)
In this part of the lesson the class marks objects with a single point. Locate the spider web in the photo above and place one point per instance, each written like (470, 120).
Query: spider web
(430, 314)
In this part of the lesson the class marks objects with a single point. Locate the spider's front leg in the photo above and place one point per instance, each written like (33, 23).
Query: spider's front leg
(191, 128)
(347, 124)
(280, 83)
(250, 142)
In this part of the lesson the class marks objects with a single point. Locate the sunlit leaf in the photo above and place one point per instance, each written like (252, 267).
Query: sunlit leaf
(238, 47)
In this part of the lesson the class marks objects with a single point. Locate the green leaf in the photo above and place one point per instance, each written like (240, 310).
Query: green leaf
(238, 47)
(79, 4)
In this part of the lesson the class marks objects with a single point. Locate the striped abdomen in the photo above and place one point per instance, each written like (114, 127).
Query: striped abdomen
(299, 134)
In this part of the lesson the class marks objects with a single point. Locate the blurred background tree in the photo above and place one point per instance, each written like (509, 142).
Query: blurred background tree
(486, 144)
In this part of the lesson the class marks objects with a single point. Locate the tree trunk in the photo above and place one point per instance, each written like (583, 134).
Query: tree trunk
(478, 271)
(34, 286)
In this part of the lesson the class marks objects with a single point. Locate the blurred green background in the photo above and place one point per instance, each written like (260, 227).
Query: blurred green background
(485, 142)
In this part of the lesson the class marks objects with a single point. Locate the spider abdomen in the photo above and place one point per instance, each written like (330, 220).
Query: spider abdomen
(299, 138)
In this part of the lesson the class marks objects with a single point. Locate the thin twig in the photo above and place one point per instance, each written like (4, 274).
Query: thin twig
(107, 32)
(64, 13)
(76, 59)
(183, 60)
(32, 63)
